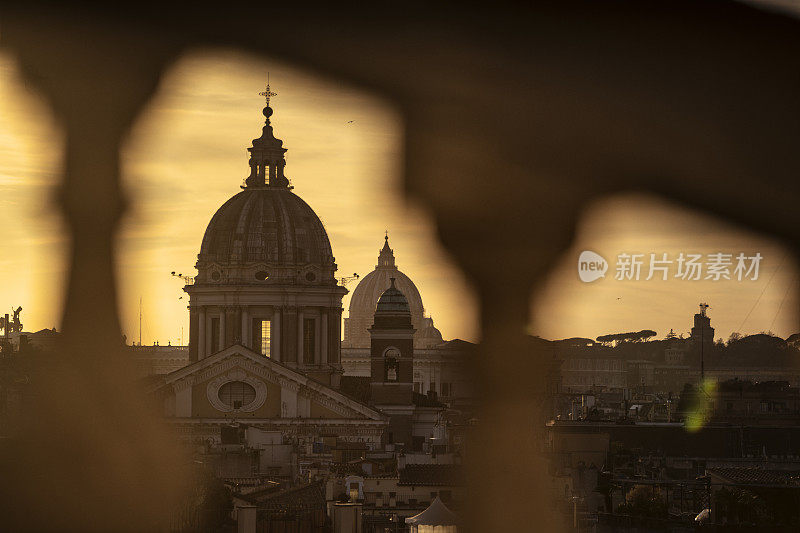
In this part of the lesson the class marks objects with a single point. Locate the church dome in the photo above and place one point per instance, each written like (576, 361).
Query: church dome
(369, 290)
(268, 228)
(266, 233)
(265, 274)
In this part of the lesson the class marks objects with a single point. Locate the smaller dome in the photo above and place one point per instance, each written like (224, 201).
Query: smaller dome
(392, 301)
(429, 336)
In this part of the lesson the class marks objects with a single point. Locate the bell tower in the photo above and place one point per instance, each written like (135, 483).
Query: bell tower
(392, 364)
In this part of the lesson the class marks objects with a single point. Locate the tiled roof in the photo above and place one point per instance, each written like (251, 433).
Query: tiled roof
(263, 487)
(432, 475)
(758, 476)
(304, 497)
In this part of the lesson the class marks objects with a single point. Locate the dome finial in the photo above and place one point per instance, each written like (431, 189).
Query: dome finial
(267, 94)
(386, 255)
(267, 159)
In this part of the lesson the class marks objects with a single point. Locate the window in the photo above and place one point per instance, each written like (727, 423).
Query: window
(214, 335)
(391, 369)
(446, 389)
(266, 326)
(309, 340)
(353, 491)
(392, 353)
(417, 386)
(237, 394)
(261, 333)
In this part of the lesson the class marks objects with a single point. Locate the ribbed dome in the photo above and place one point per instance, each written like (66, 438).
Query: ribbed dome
(270, 229)
(392, 301)
(392, 311)
(371, 287)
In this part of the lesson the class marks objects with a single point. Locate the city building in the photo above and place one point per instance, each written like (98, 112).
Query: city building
(369, 290)
(262, 393)
(265, 314)
(439, 366)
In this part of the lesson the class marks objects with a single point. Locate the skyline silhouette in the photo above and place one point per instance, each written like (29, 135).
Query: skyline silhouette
(186, 156)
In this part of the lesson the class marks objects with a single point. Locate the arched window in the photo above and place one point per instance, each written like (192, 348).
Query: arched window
(391, 355)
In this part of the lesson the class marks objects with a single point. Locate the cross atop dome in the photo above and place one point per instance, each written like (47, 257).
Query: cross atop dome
(267, 94)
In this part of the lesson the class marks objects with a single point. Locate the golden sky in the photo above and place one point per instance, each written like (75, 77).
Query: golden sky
(187, 155)
(640, 224)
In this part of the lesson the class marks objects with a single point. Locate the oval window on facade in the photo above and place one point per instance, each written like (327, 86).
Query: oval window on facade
(262, 275)
(237, 394)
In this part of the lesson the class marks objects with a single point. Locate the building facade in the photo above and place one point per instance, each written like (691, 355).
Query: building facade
(439, 366)
(266, 274)
(265, 314)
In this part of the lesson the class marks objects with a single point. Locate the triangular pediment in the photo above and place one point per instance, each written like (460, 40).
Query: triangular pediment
(239, 358)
